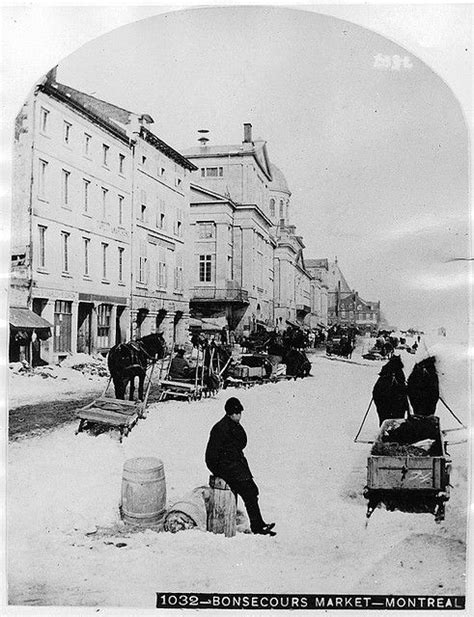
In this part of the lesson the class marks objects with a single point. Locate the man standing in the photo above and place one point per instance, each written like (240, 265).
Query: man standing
(225, 459)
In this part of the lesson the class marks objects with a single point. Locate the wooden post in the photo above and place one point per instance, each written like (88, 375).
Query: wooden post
(222, 510)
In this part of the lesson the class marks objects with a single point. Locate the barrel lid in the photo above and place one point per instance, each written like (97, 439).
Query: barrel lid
(143, 463)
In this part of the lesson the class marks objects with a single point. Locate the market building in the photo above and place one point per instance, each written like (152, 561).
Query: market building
(248, 261)
(232, 266)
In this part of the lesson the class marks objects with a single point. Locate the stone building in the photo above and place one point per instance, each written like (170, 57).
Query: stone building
(318, 268)
(232, 270)
(339, 304)
(78, 225)
(292, 282)
(248, 260)
(364, 314)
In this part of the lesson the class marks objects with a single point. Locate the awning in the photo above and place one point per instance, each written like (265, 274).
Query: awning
(208, 325)
(23, 318)
(292, 323)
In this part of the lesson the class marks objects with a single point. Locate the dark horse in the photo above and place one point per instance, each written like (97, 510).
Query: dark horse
(423, 387)
(296, 360)
(390, 391)
(129, 360)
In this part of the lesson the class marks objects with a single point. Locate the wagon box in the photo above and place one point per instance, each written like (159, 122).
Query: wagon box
(407, 472)
(412, 474)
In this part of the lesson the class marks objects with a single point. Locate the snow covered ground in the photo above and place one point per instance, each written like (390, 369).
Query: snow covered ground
(64, 490)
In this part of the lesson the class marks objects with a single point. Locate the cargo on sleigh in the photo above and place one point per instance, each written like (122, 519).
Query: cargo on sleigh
(408, 468)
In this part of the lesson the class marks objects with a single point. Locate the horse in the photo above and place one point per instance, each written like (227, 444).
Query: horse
(345, 347)
(390, 391)
(423, 387)
(129, 360)
(297, 363)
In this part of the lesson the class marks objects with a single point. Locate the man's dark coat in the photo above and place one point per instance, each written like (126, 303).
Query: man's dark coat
(224, 452)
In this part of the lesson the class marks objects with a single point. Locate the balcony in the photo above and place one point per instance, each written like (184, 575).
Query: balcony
(216, 294)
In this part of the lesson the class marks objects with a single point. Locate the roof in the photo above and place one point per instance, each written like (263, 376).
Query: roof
(159, 144)
(85, 104)
(21, 317)
(278, 182)
(316, 263)
(113, 112)
(112, 116)
(203, 190)
(257, 149)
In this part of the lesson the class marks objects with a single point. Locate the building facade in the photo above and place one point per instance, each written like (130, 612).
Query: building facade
(160, 279)
(233, 233)
(76, 220)
(248, 260)
(339, 304)
(319, 268)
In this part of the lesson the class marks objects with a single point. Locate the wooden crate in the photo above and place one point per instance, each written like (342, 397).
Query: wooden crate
(407, 472)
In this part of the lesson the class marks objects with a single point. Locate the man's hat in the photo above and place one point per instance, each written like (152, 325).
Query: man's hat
(233, 405)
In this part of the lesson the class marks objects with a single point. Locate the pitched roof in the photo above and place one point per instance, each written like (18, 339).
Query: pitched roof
(159, 144)
(113, 112)
(85, 105)
(114, 117)
(257, 149)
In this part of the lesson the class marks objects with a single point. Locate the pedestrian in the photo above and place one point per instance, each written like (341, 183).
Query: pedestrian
(225, 459)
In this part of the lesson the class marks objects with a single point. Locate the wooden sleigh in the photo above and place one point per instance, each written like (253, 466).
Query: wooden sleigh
(405, 478)
(113, 413)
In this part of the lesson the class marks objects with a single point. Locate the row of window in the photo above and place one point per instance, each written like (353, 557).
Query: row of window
(66, 256)
(212, 172)
(88, 198)
(359, 315)
(161, 172)
(154, 263)
(160, 212)
(281, 209)
(68, 190)
(68, 137)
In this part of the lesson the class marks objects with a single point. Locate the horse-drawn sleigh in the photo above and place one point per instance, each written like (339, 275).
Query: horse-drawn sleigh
(126, 362)
(408, 468)
(205, 379)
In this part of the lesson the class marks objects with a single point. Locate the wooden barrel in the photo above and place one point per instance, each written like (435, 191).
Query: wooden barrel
(143, 491)
(222, 508)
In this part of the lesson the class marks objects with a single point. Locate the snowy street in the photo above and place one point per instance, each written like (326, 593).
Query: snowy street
(64, 492)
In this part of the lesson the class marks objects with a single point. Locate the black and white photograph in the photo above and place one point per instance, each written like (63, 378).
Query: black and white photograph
(237, 271)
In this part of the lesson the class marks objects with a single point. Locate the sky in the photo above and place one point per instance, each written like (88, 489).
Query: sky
(372, 142)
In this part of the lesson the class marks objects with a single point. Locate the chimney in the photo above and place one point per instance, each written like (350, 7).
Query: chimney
(247, 133)
(203, 139)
